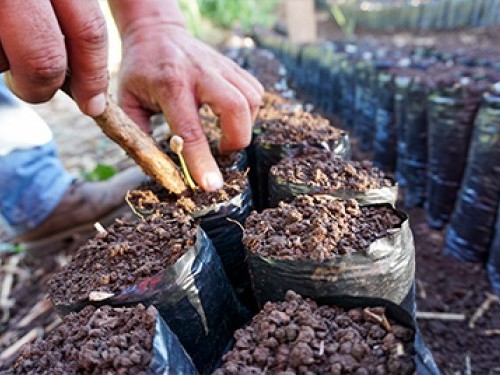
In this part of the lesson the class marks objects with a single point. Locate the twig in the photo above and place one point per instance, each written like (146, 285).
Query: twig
(53, 325)
(27, 338)
(380, 319)
(39, 309)
(492, 332)
(21, 273)
(7, 284)
(421, 289)
(468, 364)
(439, 316)
(490, 299)
(236, 222)
(127, 199)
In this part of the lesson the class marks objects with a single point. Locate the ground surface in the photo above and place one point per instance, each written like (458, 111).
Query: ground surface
(443, 284)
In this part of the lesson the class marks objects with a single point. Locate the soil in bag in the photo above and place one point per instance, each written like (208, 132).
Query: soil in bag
(317, 171)
(219, 214)
(272, 108)
(322, 246)
(290, 135)
(105, 340)
(472, 224)
(165, 260)
(342, 335)
(452, 109)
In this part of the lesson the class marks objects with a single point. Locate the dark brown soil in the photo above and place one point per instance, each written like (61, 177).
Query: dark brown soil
(317, 227)
(299, 337)
(320, 169)
(445, 284)
(94, 341)
(297, 127)
(128, 252)
(151, 197)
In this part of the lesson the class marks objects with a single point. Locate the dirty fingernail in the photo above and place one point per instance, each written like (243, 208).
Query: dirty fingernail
(96, 105)
(213, 181)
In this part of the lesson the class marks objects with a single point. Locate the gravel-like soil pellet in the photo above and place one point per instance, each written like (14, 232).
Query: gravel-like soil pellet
(297, 127)
(94, 341)
(150, 196)
(297, 336)
(321, 169)
(128, 252)
(317, 227)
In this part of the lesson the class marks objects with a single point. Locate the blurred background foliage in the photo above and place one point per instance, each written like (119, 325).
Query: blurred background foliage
(202, 16)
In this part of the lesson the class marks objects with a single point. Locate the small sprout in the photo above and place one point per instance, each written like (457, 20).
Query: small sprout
(177, 145)
(98, 227)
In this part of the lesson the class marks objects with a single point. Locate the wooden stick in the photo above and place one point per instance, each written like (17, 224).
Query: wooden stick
(439, 316)
(490, 299)
(141, 147)
(27, 338)
(40, 308)
(120, 128)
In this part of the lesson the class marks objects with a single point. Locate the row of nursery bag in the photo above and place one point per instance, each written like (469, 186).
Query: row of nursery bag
(434, 122)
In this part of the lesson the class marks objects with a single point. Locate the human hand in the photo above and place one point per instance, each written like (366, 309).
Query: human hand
(41, 39)
(165, 69)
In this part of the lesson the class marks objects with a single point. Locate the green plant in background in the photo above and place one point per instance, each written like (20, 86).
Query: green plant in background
(227, 13)
(100, 173)
(11, 248)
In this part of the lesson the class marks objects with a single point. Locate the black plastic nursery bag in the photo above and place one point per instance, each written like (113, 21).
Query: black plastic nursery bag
(472, 224)
(386, 269)
(194, 297)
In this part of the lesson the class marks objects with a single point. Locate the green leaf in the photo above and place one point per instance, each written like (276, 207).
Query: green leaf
(100, 173)
(11, 248)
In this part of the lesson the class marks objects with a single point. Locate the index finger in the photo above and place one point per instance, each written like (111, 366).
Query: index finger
(84, 27)
(34, 46)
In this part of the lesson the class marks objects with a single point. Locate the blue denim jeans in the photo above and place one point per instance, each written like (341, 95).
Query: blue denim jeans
(32, 181)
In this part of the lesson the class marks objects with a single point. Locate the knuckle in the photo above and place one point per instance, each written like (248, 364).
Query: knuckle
(240, 143)
(47, 67)
(235, 104)
(93, 32)
(192, 133)
(255, 100)
(171, 81)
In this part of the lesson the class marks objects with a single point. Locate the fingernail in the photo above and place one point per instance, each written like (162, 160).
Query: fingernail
(96, 105)
(213, 181)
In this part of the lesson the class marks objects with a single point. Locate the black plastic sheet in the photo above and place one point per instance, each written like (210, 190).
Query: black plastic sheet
(414, 133)
(385, 139)
(268, 154)
(385, 269)
(365, 104)
(194, 297)
(169, 357)
(220, 223)
(347, 80)
(451, 116)
(472, 224)
(401, 83)
(283, 191)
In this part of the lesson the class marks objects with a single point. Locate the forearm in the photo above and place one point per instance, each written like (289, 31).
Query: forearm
(133, 15)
